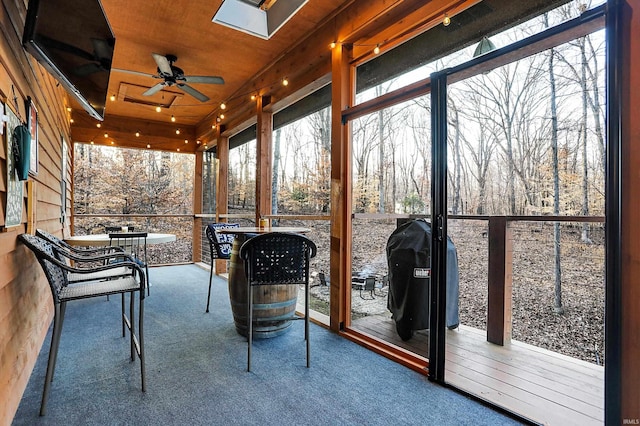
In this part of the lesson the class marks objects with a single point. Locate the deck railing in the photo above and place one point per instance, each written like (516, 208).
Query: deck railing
(191, 246)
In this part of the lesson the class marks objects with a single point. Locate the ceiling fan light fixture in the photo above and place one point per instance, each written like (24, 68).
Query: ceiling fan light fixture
(484, 46)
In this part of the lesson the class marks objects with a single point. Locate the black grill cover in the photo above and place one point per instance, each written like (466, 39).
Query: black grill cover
(408, 257)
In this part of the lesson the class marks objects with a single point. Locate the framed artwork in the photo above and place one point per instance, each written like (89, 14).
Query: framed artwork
(13, 206)
(32, 124)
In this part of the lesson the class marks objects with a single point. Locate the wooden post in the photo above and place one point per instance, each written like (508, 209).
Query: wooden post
(263, 158)
(196, 247)
(622, 368)
(222, 189)
(500, 281)
(342, 94)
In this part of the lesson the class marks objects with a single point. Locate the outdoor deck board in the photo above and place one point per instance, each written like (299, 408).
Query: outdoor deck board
(538, 384)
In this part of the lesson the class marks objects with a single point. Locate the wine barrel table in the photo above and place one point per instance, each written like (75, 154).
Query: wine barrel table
(273, 305)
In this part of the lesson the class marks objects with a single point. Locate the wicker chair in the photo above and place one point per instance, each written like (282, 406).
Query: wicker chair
(88, 257)
(54, 270)
(81, 251)
(219, 247)
(135, 245)
(277, 258)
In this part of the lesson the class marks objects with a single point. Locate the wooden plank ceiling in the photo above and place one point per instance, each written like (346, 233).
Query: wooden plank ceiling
(249, 65)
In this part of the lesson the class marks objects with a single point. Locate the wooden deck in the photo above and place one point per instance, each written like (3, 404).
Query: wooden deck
(544, 386)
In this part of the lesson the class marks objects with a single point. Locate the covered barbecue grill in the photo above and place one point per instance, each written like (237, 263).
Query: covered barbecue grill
(409, 260)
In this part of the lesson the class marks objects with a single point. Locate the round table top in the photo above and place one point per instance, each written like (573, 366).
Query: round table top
(103, 239)
(265, 230)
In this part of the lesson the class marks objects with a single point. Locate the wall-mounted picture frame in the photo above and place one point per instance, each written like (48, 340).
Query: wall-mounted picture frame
(32, 124)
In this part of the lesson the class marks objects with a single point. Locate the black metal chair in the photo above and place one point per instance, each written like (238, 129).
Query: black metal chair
(110, 229)
(219, 246)
(370, 286)
(277, 258)
(54, 270)
(134, 244)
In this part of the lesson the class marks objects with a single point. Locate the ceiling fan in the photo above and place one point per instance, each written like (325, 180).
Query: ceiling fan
(174, 76)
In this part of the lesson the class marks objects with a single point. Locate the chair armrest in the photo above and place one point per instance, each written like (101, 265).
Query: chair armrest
(97, 258)
(105, 267)
(96, 250)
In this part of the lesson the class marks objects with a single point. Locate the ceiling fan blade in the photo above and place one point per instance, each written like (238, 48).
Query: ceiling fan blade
(193, 92)
(144, 74)
(206, 79)
(163, 64)
(153, 90)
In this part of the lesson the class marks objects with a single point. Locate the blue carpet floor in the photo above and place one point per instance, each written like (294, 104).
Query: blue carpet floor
(196, 371)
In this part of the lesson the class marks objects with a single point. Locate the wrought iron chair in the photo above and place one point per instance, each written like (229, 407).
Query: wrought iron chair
(277, 258)
(219, 247)
(54, 270)
(134, 244)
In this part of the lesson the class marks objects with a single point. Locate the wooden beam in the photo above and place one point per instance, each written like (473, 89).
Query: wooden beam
(122, 132)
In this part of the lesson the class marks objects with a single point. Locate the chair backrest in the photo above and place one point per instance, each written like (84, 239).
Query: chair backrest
(45, 253)
(134, 243)
(51, 238)
(111, 229)
(369, 283)
(277, 258)
(220, 244)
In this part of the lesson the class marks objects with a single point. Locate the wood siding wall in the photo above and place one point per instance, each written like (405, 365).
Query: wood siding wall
(25, 300)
